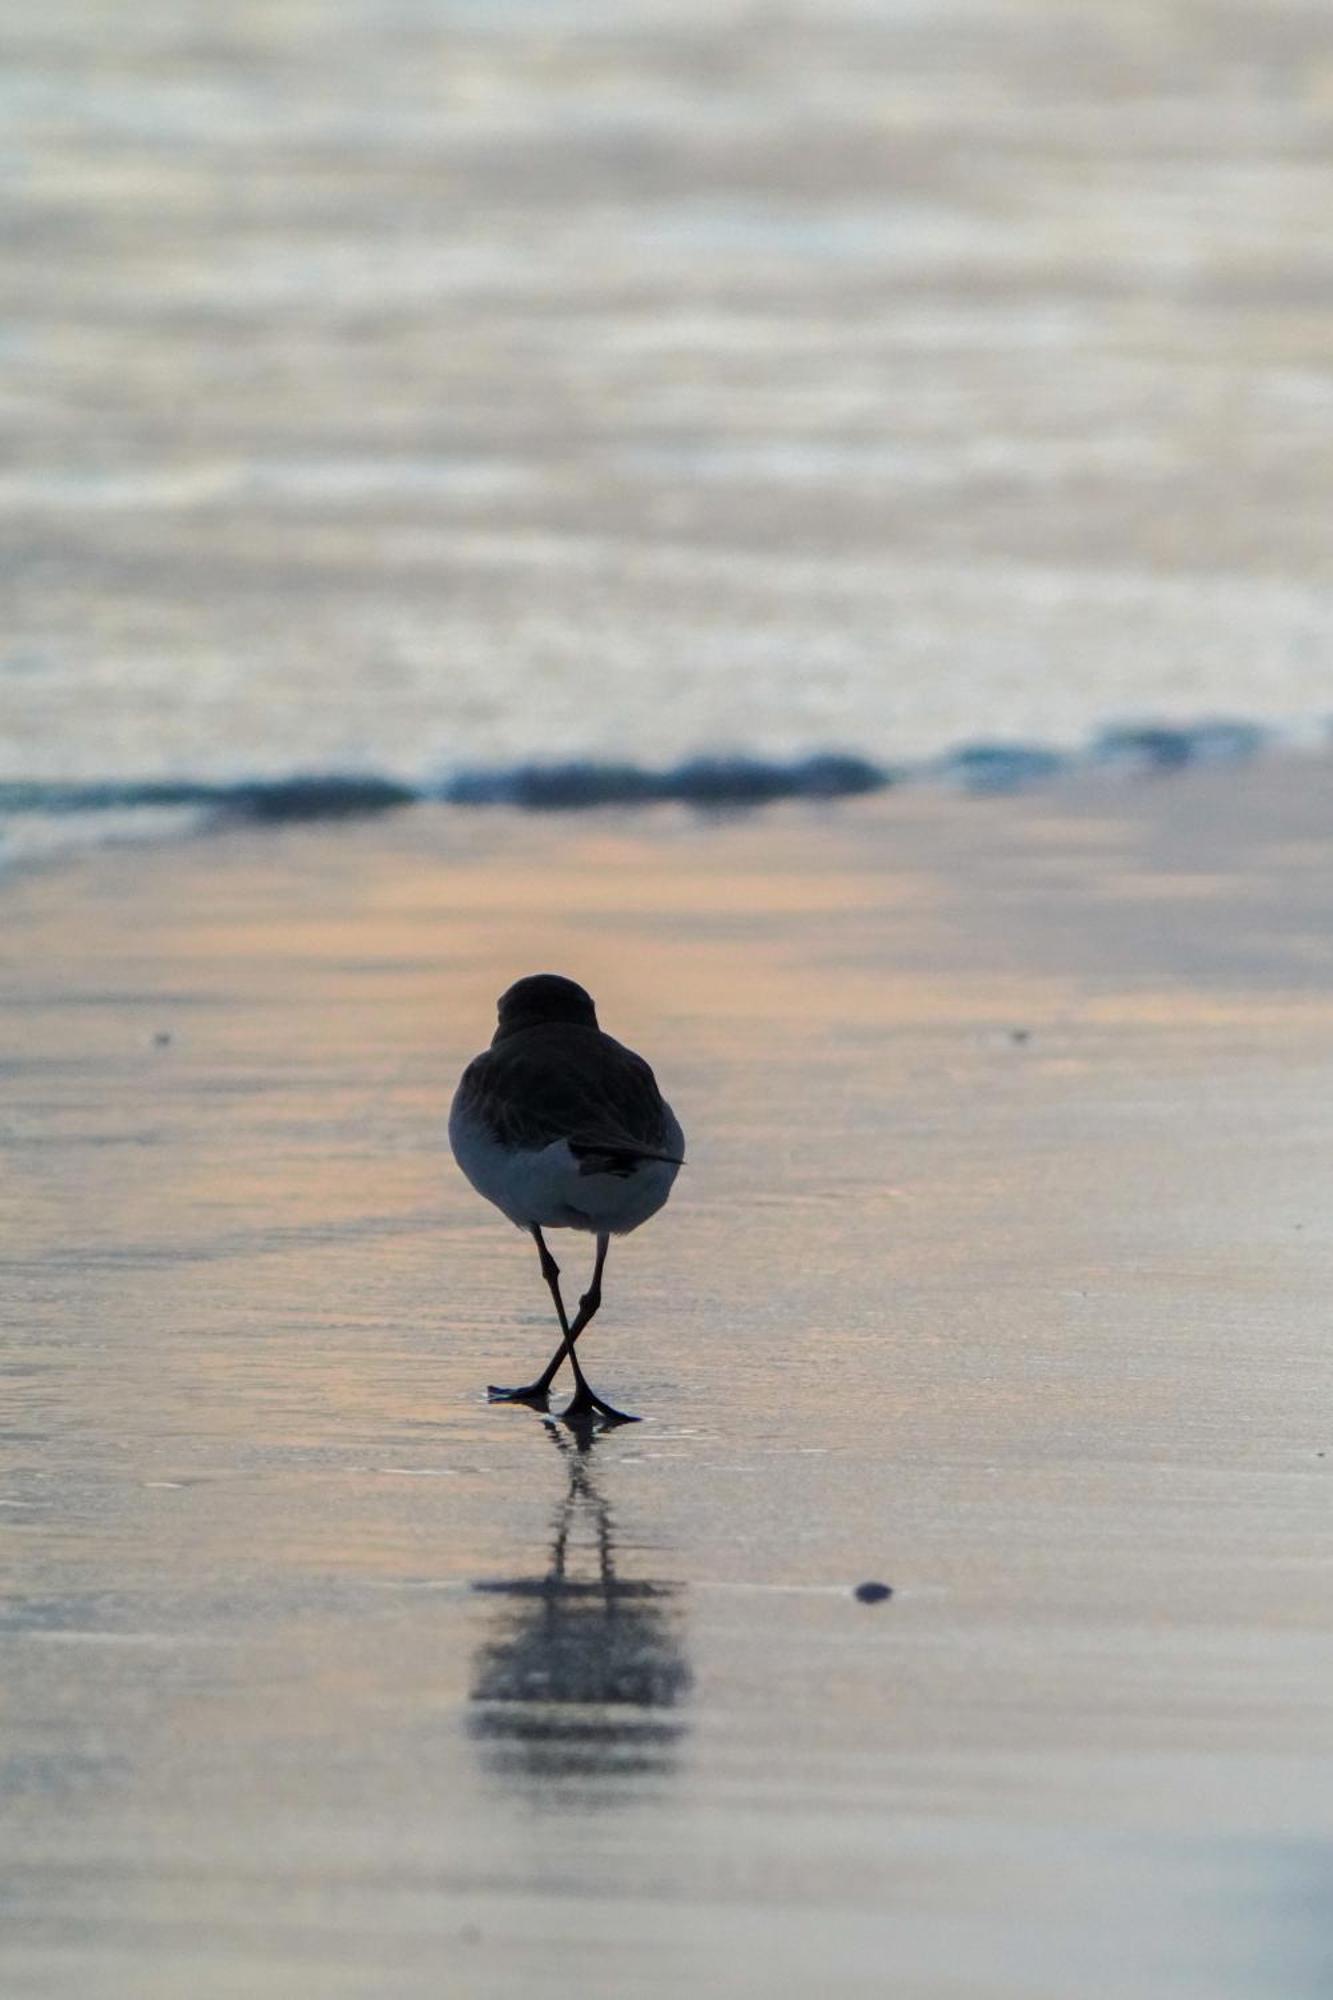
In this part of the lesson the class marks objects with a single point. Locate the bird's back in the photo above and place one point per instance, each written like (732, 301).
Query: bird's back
(561, 1124)
(557, 1081)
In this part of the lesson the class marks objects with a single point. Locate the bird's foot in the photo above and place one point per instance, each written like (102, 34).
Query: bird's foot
(586, 1406)
(535, 1394)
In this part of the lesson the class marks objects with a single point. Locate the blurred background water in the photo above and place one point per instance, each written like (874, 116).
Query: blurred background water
(422, 387)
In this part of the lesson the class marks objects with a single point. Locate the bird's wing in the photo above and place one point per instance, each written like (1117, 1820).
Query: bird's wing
(556, 1082)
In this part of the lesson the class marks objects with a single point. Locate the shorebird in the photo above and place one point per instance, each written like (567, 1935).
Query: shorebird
(563, 1128)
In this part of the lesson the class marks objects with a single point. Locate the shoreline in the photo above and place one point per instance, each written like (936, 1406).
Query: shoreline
(56, 818)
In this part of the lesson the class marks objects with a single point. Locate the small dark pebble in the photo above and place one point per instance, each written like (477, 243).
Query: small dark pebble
(872, 1593)
(161, 1039)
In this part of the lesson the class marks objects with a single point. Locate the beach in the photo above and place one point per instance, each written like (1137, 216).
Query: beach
(814, 523)
(998, 1275)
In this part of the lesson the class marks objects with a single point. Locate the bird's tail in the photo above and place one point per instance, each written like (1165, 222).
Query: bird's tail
(609, 1157)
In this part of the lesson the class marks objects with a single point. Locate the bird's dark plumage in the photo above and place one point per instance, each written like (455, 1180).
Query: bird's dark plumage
(540, 998)
(557, 1080)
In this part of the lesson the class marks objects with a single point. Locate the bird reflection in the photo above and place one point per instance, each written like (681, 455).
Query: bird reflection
(580, 1676)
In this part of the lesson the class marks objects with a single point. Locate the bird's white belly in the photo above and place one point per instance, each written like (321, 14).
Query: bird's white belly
(545, 1187)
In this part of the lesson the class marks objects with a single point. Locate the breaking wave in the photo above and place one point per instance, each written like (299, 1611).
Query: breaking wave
(50, 817)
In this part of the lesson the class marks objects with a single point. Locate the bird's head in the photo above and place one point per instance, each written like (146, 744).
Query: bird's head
(543, 997)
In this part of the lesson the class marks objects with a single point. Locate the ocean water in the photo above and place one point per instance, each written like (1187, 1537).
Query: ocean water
(433, 393)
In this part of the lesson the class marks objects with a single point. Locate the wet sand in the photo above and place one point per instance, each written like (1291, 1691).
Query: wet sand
(999, 1273)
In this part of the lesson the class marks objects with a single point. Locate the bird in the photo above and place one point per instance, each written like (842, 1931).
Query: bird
(562, 1127)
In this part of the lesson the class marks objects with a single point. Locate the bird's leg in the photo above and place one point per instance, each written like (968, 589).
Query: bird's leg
(538, 1391)
(588, 1305)
(586, 1401)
